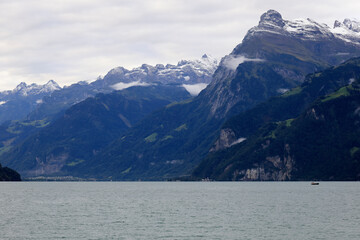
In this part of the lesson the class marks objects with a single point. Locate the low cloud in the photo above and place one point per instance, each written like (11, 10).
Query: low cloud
(121, 85)
(351, 80)
(232, 62)
(195, 89)
(240, 140)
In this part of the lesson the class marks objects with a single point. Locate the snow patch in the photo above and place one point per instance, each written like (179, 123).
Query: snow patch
(232, 62)
(2, 102)
(39, 101)
(121, 85)
(194, 89)
(351, 80)
(187, 78)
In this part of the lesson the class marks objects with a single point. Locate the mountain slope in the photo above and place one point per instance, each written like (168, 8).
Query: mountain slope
(288, 105)
(277, 55)
(37, 102)
(185, 73)
(49, 102)
(172, 141)
(278, 144)
(86, 128)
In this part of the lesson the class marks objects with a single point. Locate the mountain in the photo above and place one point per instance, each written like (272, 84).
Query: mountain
(32, 107)
(36, 102)
(85, 128)
(7, 174)
(171, 142)
(321, 143)
(275, 56)
(16, 104)
(185, 72)
(289, 105)
(190, 74)
(270, 61)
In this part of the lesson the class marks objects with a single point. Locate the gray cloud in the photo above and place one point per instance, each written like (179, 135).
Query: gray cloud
(69, 40)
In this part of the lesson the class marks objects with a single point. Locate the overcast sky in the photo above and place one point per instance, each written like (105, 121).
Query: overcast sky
(74, 40)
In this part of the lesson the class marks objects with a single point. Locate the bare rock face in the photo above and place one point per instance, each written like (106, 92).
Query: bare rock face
(312, 113)
(226, 139)
(272, 17)
(274, 168)
(52, 164)
(256, 70)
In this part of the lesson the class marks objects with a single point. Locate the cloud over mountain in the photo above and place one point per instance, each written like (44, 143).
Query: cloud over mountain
(69, 41)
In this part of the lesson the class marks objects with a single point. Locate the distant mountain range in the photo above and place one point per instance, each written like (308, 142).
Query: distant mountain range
(16, 104)
(35, 102)
(274, 58)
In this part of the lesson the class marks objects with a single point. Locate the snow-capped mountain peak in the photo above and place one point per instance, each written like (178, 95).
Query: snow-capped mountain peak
(50, 86)
(353, 25)
(348, 30)
(186, 71)
(24, 89)
(306, 29)
(271, 18)
(348, 24)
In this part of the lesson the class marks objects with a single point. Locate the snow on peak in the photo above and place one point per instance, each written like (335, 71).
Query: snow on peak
(51, 86)
(118, 70)
(307, 29)
(189, 71)
(348, 25)
(353, 25)
(206, 63)
(34, 89)
(348, 30)
(272, 17)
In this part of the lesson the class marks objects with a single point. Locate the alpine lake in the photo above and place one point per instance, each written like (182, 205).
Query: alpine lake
(179, 210)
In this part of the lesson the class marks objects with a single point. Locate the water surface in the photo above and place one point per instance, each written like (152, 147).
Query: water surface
(179, 210)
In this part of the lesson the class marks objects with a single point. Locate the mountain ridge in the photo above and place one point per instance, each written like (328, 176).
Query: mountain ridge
(171, 142)
(265, 66)
(35, 102)
(277, 134)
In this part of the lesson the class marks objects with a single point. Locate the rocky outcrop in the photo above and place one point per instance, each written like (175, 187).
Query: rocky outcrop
(274, 168)
(52, 164)
(226, 138)
(272, 18)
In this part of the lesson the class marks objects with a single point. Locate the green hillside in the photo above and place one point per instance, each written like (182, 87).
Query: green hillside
(321, 143)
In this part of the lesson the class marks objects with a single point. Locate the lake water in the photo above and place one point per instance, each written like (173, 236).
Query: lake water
(179, 210)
